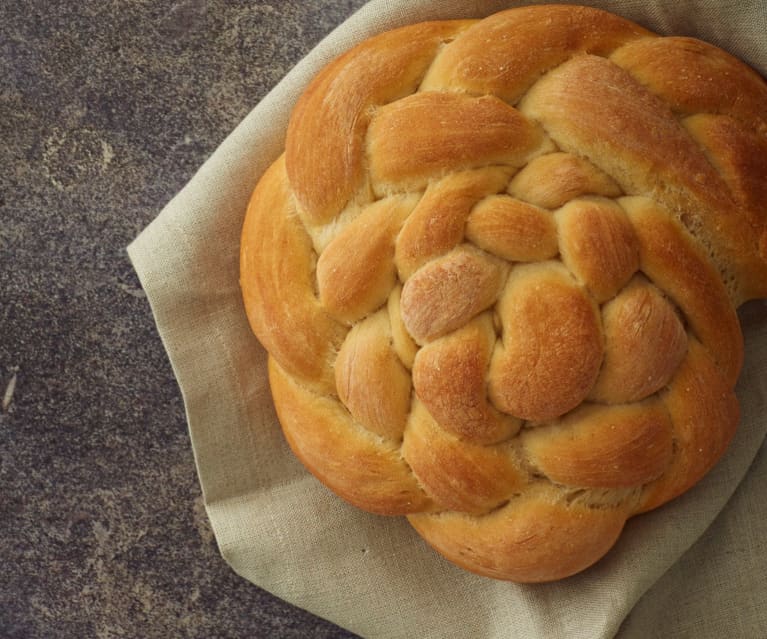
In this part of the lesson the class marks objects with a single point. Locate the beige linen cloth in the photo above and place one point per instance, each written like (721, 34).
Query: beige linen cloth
(672, 574)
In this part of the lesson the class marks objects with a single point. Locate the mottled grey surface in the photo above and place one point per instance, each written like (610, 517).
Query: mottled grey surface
(106, 110)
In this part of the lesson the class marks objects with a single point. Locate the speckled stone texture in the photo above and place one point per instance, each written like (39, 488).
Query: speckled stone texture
(106, 110)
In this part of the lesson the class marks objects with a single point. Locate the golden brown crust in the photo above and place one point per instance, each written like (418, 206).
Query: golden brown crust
(478, 478)
(497, 270)
(598, 245)
(364, 469)
(537, 536)
(436, 225)
(645, 342)
(603, 446)
(449, 378)
(371, 380)
(551, 349)
(355, 273)
(672, 260)
(696, 77)
(506, 53)
(406, 150)
(594, 108)
(552, 180)
(449, 291)
(291, 323)
(335, 108)
(402, 343)
(705, 413)
(513, 230)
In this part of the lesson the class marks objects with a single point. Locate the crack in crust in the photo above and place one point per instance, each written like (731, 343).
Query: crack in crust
(496, 271)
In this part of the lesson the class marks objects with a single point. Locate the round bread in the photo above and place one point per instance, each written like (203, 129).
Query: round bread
(496, 271)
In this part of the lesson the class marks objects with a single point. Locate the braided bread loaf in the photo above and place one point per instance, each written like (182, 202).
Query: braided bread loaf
(496, 272)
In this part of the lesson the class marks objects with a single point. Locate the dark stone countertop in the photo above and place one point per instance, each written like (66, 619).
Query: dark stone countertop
(107, 109)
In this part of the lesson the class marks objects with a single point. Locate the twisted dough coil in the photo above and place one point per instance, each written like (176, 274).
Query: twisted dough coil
(496, 271)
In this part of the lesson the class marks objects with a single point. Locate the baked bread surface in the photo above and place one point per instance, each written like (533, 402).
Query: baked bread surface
(496, 271)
